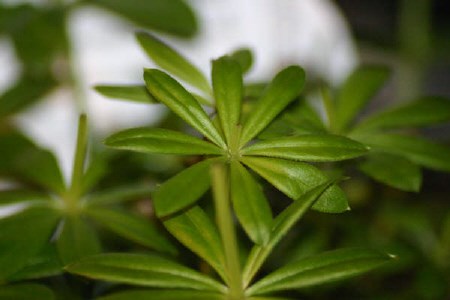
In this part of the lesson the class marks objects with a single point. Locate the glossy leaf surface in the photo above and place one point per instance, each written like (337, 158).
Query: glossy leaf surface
(145, 270)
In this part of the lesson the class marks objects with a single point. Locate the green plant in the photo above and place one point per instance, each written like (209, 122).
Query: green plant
(228, 151)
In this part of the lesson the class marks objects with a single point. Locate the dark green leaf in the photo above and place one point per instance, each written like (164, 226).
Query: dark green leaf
(135, 93)
(173, 62)
(162, 141)
(418, 150)
(284, 88)
(183, 189)
(194, 229)
(12, 145)
(26, 291)
(22, 196)
(356, 92)
(282, 224)
(296, 178)
(145, 270)
(168, 91)
(132, 227)
(164, 295)
(250, 205)
(323, 268)
(227, 85)
(423, 112)
(393, 170)
(319, 148)
(244, 58)
(170, 16)
(95, 171)
(18, 243)
(120, 194)
(77, 240)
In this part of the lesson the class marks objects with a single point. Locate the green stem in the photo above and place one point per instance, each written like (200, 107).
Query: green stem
(224, 219)
(80, 157)
(329, 108)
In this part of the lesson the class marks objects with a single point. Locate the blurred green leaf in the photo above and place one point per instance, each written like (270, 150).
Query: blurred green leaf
(163, 295)
(95, 171)
(161, 141)
(18, 243)
(423, 112)
(183, 189)
(135, 93)
(173, 62)
(283, 89)
(244, 58)
(295, 178)
(145, 270)
(418, 150)
(12, 145)
(120, 194)
(21, 196)
(318, 269)
(393, 170)
(318, 148)
(170, 16)
(181, 102)
(26, 291)
(227, 85)
(250, 205)
(132, 227)
(196, 231)
(281, 225)
(356, 91)
(77, 240)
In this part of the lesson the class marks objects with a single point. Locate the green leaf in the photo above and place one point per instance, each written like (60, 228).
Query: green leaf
(18, 243)
(168, 91)
(283, 89)
(296, 178)
(120, 194)
(162, 141)
(393, 170)
(145, 270)
(196, 231)
(96, 170)
(319, 269)
(12, 145)
(250, 205)
(26, 291)
(183, 189)
(164, 295)
(76, 240)
(318, 148)
(170, 16)
(356, 92)
(244, 58)
(132, 227)
(22, 196)
(281, 225)
(227, 86)
(418, 150)
(134, 93)
(173, 62)
(423, 112)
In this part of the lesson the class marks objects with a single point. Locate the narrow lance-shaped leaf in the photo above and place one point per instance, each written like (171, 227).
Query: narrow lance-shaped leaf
(281, 225)
(132, 227)
(135, 93)
(26, 291)
(295, 178)
(227, 85)
(319, 148)
(183, 189)
(244, 58)
(418, 150)
(284, 88)
(173, 62)
(164, 295)
(393, 170)
(162, 141)
(174, 16)
(168, 91)
(423, 112)
(357, 90)
(22, 196)
(120, 194)
(146, 270)
(196, 231)
(319, 269)
(250, 205)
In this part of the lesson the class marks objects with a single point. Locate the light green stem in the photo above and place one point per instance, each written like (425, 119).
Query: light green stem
(80, 157)
(224, 219)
